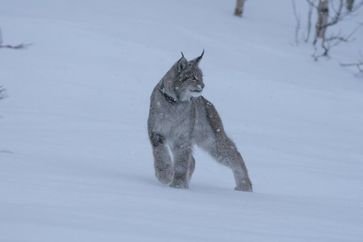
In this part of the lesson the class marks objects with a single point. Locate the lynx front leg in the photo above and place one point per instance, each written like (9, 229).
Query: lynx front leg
(162, 162)
(227, 154)
(182, 165)
(211, 137)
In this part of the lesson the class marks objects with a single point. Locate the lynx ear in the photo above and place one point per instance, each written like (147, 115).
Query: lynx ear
(182, 63)
(197, 60)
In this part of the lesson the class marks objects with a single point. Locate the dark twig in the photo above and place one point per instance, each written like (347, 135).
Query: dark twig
(15, 47)
(310, 14)
(358, 64)
(298, 23)
(2, 92)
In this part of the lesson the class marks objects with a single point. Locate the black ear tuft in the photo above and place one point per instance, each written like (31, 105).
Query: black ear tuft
(200, 57)
(196, 61)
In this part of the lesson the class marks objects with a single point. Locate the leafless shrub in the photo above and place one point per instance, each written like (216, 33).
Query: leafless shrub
(328, 13)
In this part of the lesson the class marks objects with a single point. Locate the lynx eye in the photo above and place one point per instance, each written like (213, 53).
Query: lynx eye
(183, 79)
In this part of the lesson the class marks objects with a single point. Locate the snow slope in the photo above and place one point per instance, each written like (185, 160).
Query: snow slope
(75, 161)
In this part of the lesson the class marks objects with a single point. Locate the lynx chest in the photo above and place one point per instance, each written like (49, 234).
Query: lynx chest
(173, 120)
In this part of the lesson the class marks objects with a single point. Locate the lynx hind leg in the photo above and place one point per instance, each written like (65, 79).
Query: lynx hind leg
(162, 161)
(222, 148)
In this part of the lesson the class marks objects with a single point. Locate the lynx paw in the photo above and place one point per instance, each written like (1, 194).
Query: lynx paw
(245, 186)
(164, 176)
(179, 184)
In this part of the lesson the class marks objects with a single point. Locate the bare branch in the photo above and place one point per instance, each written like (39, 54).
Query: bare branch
(338, 15)
(340, 6)
(1, 37)
(337, 39)
(310, 14)
(311, 3)
(15, 47)
(358, 65)
(2, 92)
(298, 23)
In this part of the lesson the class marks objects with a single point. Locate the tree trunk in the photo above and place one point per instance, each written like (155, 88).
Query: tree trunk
(239, 8)
(349, 4)
(321, 25)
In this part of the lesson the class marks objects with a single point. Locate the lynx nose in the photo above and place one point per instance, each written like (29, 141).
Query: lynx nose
(200, 86)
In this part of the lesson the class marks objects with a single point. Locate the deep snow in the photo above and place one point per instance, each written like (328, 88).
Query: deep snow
(75, 161)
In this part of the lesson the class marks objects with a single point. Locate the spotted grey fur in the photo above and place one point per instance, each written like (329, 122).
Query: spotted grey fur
(179, 118)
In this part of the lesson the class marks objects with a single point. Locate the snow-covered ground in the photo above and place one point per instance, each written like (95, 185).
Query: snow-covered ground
(75, 160)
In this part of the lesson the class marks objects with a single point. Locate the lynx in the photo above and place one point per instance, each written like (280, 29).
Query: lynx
(179, 118)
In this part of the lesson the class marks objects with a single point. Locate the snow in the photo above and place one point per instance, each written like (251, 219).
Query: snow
(75, 160)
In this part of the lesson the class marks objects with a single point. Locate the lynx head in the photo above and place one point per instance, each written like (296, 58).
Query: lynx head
(184, 80)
